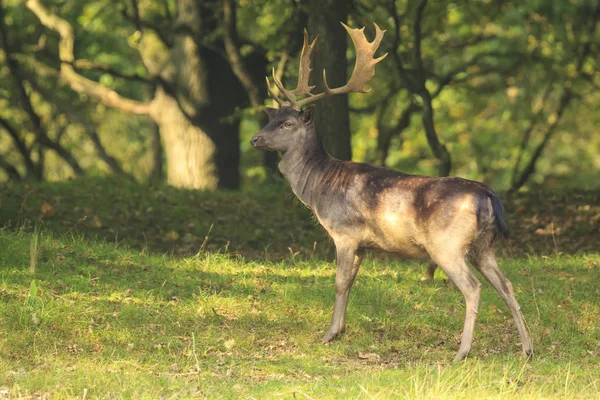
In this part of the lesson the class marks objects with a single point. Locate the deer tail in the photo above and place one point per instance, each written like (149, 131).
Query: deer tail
(498, 211)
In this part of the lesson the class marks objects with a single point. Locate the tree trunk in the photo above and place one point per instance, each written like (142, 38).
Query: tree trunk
(332, 114)
(228, 154)
(439, 150)
(226, 95)
(189, 151)
(157, 173)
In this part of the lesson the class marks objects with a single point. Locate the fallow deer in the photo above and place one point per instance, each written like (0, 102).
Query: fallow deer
(449, 220)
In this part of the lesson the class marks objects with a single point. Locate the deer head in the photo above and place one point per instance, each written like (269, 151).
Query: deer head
(281, 132)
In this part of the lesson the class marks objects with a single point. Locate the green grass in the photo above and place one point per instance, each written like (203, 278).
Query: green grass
(111, 321)
(112, 289)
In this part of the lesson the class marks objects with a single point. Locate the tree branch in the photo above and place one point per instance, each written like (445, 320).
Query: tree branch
(11, 171)
(527, 134)
(234, 57)
(418, 38)
(404, 76)
(89, 65)
(471, 41)
(41, 134)
(387, 133)
(563, 103)
(77, 82)
(89, 127)
(136, 15)
(164, 33)
(20, 145)
(529, 169)
(439, 150)
(450, 77)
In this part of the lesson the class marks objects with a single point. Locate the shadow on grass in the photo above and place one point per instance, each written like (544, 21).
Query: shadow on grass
(263, 224)
(268, 224)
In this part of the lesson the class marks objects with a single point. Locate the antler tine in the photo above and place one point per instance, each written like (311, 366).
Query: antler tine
(288, 94)
(273, 95)
(364, 66)
(304, 68)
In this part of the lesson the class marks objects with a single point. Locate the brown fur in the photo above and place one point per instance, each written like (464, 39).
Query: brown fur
(361, 206)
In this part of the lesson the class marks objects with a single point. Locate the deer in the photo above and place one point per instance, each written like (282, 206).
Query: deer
(451, 221)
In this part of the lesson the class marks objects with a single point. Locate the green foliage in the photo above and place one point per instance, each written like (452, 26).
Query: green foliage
(500, 70)
(101, 34)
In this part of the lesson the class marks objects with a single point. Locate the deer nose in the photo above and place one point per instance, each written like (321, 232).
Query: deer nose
(254, 140)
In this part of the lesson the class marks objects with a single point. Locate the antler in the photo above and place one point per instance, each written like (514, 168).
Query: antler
(364, 69)
(304, 70)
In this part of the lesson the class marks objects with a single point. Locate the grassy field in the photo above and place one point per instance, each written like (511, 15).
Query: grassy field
(86, 315)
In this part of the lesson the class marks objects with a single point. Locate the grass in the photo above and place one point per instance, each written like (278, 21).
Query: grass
(126, 291)
(107, 321)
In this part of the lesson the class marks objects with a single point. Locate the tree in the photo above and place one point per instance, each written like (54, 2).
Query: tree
(34, 168)
(181, 103)
(579, 52)
(432, 49)
(332, 114)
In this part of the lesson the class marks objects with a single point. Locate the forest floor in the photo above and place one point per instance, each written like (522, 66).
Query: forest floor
(128, 292)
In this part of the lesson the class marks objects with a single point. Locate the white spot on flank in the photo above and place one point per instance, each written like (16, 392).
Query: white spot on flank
(391, 218)
(466, 204)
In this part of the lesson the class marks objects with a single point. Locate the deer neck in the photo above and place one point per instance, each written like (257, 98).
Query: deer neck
(305, 166)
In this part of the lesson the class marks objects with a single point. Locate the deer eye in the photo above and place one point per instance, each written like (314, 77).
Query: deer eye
(288, 124)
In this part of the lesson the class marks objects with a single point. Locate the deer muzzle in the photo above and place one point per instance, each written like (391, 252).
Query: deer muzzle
(259, 142)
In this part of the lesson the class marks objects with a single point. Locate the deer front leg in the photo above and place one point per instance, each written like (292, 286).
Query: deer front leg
(348, 262)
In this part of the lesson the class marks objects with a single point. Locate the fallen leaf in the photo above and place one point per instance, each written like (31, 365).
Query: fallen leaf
(545, 333)
(368, 356)
(47, 210)
(95, 222)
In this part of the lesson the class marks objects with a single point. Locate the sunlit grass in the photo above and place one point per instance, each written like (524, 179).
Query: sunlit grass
(122, 323)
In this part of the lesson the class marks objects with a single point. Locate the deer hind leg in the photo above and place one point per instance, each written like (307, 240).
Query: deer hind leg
(488, 266)
(460, 274)
(348, 262)
(431, 267)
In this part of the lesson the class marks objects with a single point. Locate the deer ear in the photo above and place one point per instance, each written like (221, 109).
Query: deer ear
(308, 114)
(271, 112)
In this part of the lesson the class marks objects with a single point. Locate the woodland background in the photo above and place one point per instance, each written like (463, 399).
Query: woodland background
(146, 251)
(504, 92)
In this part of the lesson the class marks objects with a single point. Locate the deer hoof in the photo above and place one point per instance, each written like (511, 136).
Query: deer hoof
(461, 355)
(329, 336)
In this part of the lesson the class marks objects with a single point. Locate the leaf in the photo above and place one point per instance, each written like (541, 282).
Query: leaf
(368, 356)
(544, 334)
(95, 222)
(47, 210)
